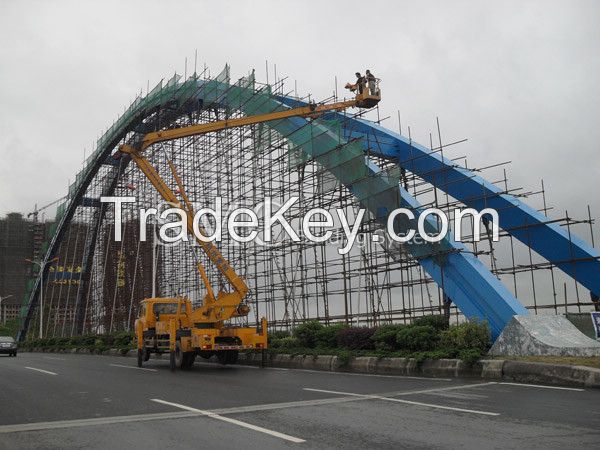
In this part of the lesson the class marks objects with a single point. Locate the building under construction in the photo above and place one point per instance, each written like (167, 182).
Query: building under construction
(21, 241)
(346, 160)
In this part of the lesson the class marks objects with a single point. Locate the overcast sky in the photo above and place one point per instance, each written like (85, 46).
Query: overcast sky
(519, 80)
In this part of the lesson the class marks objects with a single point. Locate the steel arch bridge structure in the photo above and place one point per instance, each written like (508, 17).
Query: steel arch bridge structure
(338, 160)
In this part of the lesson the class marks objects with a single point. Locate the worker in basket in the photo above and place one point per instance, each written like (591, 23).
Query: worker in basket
(372, 82)
(359, 85)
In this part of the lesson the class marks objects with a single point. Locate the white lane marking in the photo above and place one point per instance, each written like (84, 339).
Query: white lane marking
(51, 357)
(25, 427)
(285, 405)
(443, 389)
(286, 437)
(543, 387)
(430, 405)
(133, 367)
(397, 400)
(420, 391)
(351, 394)
(41, 370)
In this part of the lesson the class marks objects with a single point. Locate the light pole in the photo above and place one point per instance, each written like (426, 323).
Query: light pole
(3, 314)
(42, 264)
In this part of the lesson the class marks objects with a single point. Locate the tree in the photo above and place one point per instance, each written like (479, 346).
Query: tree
(10, 328)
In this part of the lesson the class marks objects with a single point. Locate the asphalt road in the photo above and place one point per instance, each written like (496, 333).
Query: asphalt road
(83, 401)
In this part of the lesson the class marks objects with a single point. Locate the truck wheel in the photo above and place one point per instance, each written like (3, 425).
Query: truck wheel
(222, 357)
(140, 357)
(146, 354)
(188, 360)
(172, 364)
(178, 356)
(184, 361)
(233, 357)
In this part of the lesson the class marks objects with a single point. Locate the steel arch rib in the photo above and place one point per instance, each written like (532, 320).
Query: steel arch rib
(570, 253)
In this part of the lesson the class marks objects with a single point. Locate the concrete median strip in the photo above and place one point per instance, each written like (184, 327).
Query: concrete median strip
(495, 369)
(213, 415)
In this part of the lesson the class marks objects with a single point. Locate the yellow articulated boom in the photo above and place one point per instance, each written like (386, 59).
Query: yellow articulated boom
(171, 324)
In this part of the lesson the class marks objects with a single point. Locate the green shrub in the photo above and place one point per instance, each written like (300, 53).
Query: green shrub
(356, 338)
(438, 322)
(278, 334)
(62, 342)
(306, 333)
(466, 336)
(285, 343)
(421, 357)
(385, 337)
(107, 339)
(417, 338)
(470, 356)
(76, 342)
(327, 337)
(88, 340)
(344, 357)
(123, 339)
(10, 328)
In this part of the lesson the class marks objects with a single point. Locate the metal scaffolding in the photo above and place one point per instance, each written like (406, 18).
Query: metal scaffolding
(97, 282)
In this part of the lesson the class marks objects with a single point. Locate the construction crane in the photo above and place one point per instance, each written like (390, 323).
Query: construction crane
(171, 324)
(37, 210)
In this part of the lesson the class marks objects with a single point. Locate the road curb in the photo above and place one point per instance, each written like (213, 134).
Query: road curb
(492, 369)
(559, 374)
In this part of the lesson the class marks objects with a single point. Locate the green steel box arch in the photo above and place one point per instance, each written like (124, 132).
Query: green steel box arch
(339, 146)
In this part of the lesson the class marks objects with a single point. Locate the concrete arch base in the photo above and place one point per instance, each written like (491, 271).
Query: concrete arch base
(543, 335)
